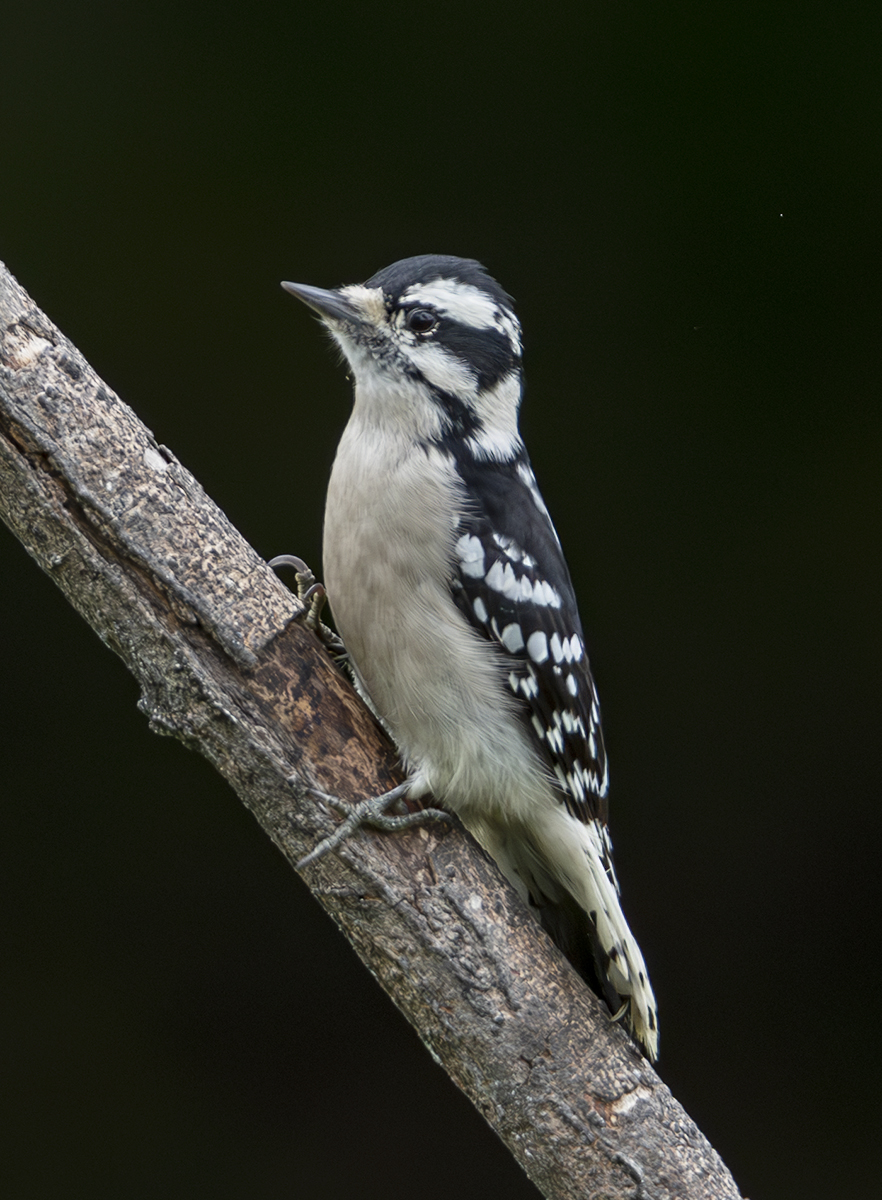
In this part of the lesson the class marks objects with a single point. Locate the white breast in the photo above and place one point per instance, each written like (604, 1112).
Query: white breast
(390, 525)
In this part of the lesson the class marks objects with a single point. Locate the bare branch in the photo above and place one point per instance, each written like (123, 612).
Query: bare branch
(207, 629)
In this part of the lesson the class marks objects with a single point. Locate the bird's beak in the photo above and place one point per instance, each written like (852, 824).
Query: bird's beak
(328, 304)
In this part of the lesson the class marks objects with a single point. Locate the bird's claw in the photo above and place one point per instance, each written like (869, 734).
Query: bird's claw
(371, 812)
(312, 596)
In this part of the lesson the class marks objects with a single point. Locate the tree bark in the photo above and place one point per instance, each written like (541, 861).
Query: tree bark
(210, 634)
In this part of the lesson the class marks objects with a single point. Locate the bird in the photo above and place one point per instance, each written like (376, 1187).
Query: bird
(449, 587)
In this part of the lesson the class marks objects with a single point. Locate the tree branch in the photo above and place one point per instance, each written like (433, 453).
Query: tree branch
(208, 631)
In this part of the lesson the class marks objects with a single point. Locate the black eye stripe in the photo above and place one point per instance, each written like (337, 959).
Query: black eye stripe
(484, 350)
(487, 351)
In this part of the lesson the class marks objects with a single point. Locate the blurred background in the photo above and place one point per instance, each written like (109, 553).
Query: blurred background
(684, 201)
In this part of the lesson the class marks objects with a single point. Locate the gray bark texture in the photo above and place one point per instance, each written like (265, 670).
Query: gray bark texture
(209, 633)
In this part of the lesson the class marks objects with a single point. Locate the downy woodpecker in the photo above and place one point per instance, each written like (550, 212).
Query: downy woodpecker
(450, 590)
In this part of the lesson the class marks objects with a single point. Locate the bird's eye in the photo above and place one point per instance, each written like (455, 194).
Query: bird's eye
(421, 320)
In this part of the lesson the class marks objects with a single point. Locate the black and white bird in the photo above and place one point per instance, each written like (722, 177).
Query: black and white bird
(449, 588)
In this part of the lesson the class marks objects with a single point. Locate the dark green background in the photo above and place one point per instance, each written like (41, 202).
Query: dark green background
(684, 199)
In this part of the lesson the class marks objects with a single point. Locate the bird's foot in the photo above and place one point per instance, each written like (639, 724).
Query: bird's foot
(312, 596)
(373, 813)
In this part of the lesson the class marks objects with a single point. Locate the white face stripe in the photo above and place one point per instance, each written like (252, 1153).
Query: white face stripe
(462, 301)
(444, 370)
(499, 439)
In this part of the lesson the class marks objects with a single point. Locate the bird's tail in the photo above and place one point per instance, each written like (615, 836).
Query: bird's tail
(563, 868)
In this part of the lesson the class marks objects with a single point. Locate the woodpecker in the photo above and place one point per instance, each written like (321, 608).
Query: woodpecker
(450, 590)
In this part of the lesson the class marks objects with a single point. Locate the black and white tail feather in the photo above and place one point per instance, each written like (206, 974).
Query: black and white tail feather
(451, 592)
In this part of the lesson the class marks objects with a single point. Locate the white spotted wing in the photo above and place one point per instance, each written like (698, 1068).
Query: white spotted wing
(511, 582)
